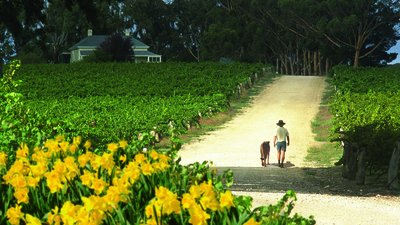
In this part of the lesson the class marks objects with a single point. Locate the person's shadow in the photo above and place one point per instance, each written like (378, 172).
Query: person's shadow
(287, 164)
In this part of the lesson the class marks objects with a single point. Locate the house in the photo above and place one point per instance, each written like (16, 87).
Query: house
(91, 42)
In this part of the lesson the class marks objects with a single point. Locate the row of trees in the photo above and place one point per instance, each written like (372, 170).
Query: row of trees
(303, 36)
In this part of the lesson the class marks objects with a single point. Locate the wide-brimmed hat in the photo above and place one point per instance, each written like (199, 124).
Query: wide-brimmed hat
(280, 123)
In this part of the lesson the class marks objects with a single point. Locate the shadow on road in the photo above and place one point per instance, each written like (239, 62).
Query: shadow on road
(273, 179)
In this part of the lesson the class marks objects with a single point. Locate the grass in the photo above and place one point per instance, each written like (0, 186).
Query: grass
(324, 155)
(327, 153)
(216, 121)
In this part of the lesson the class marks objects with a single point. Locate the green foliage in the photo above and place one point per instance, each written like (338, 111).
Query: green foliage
(366, 79)
(62, 81)
(106, 102)
(366, 110)
(97, 56)
(279, 213)
(18, 122)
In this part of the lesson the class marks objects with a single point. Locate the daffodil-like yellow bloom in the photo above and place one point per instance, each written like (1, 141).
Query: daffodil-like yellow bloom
(31, 220)
(112, 198)
(14, 215)
(164, 158)
(54, 217)
(122, 158)
(226, 200)
(112, 147)
(22, 153)
(123, 144)
(252, 222)
(18, 181)
(83, 159)
(60, 138)
(87, 145)
(77, 140)
(140, 158)
(209, 201)
(73, 148)
(68, 213)
(187, 201)
(95, 203)
(21, 194)
(147, 169)
(132, 171)
(99, 185)
(197, 215)
(195, 191)
(154, 154)
(3, 159)
(87, 178)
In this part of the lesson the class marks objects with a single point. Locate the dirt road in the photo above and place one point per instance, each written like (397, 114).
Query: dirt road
(294, 99)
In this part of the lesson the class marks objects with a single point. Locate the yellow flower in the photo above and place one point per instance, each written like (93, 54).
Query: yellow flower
(195, 191)
(68, 213)
(208, 201)
(99, 185)
(32, 182)
(77, 140)
(54, 218)
(139, 158)
(122, 158)
(18, 181)
(197, 215)
(154, 154)
(147, 169)
(86, 178)
(21, 194)
(60, 138)
(73, 148)
(83, 159)
(94, 203)
(87, 145)
(31, 220)
(226, 200)
(14, 214)
(112, 147)
(22, 153)
(252, 222)
(123, 144)
(187, 200)
(3, 159)
(164, 158)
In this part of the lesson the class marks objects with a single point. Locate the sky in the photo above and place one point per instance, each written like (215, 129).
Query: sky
(395, 49)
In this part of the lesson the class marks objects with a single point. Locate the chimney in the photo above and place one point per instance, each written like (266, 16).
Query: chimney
(89, 32)
(127, 33)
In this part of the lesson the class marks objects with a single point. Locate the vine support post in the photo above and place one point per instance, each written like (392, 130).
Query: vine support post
(393, 180)
(360, 177)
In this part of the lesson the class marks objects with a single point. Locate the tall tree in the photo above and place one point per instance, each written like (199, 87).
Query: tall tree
(346, 23)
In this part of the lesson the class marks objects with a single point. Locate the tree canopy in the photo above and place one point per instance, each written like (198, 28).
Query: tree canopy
(301, 37)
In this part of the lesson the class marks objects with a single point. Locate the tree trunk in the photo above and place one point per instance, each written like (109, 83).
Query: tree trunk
(319, 63)
(304, 62)
(315, 64)
(393, 180)
(327, 66)
(356, 58)
(309, 63)
(352, 161)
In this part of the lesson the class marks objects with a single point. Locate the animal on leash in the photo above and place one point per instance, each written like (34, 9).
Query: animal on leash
(264, 151)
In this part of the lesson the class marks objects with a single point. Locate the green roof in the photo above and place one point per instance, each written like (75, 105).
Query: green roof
(94, 41)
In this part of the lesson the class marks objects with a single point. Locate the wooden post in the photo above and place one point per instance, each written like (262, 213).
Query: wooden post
(352, 161)
(345, 169)
(361, 167)
(393, 180)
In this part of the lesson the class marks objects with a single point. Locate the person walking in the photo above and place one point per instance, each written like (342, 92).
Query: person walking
(281, 134)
